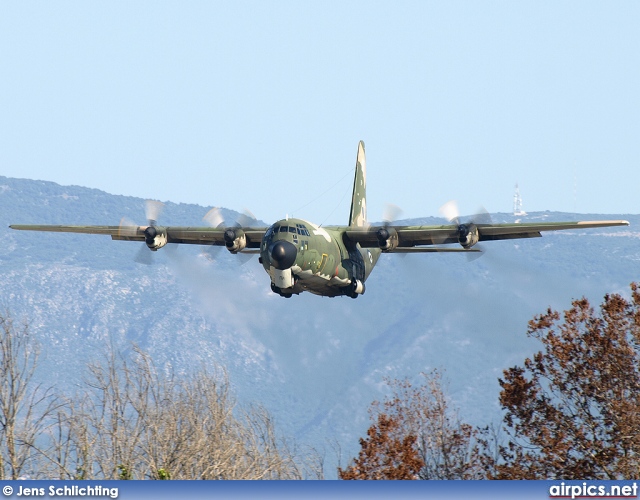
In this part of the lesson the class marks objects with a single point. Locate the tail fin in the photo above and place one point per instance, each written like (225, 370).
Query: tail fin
(358, 215)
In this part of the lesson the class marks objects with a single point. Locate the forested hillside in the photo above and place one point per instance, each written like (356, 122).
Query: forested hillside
(315, 363)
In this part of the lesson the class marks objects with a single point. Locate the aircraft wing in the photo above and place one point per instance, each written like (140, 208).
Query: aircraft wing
(416, 236)
(175, 234)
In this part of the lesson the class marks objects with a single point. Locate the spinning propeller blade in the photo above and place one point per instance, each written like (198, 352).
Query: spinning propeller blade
(152, 209)
(451, 212)
(391, 213)
(215, 219)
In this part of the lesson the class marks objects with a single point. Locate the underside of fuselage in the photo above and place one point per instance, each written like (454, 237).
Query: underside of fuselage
(302, 257)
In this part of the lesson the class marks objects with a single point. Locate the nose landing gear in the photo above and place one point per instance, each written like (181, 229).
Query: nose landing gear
(280, 291)
(355, 289)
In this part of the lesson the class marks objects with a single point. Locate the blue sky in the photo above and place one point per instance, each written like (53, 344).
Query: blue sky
(260, 105)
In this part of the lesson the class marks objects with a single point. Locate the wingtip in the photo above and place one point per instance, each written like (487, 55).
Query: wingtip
(604, 223)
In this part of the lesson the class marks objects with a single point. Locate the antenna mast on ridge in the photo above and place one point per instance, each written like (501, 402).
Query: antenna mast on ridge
(517, 203)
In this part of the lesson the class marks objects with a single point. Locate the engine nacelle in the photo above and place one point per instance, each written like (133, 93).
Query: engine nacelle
(155, 237)
(235, 240)
(468, 235)
(387, 238)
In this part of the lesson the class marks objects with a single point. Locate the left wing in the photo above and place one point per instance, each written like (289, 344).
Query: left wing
(396, 238)
(174, 234)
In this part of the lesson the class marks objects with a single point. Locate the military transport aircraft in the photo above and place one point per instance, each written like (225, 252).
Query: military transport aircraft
(330, 261)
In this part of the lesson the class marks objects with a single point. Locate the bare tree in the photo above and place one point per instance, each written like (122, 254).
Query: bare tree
(66, 445)
(128, 420)
(134, 422)
(24, 405)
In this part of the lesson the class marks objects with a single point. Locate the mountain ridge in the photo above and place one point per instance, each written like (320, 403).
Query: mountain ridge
(315, 363)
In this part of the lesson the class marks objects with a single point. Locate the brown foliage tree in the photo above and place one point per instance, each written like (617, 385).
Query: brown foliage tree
(383, 455)
(420, 416)
(573, 410)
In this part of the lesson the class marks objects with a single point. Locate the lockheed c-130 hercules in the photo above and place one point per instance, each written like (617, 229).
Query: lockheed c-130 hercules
(330, 261)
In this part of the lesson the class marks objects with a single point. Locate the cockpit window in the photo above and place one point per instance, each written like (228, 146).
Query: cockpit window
(302, 229)
(268, 236)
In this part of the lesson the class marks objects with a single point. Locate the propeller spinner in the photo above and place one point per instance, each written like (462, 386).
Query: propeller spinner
(234, 237)
(154, 237)
(387, 237)
(468, 234)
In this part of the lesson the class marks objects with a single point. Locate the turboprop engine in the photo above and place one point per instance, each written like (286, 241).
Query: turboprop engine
(387, 238)
(468, 235)
(155, 237)
(235, 239)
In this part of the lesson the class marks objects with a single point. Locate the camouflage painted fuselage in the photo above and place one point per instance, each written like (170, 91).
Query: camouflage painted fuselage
(326, 262)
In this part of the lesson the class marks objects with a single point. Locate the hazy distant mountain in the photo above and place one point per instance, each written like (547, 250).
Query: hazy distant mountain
(316, 363)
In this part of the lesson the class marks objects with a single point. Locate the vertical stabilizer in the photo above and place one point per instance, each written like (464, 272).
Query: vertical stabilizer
(358, 215)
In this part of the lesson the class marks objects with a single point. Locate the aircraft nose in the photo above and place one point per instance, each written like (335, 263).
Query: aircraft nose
(283, 254)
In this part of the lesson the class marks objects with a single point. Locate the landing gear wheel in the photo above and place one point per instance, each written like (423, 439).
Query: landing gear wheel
(350, 291)
(279, 291)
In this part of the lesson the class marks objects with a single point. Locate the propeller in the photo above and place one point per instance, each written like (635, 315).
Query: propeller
(127, 227)
(153, 209)
(144, 255)
(391, 213)
(451, 212)
(216, 219)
